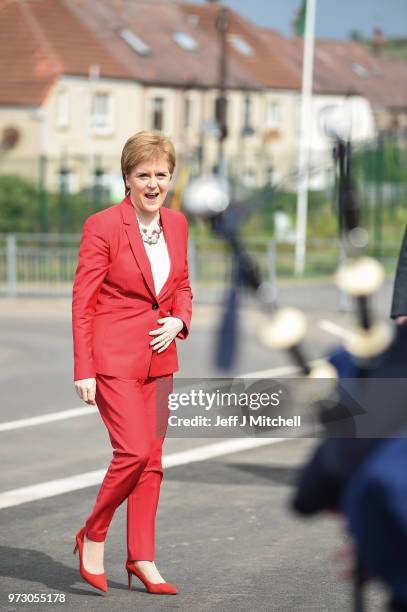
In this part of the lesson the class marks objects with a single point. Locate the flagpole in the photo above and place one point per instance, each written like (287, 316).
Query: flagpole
(304, 138)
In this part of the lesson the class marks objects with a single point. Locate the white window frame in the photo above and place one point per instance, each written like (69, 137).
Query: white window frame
(102, 124)
(240, 45)
(273, 115)
(72, 181)
(152, 111)
(135, 42)
(249, 177)
(62, 109)
(185, 40)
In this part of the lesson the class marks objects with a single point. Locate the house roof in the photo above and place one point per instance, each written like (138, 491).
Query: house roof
(43, 39)
(266, 63)
(342, 67)
(155, 22)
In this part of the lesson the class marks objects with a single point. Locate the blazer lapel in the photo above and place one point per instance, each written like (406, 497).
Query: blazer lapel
(138, 248)
(136, 243)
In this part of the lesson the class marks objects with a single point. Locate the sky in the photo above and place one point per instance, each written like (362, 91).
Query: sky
(334, 18)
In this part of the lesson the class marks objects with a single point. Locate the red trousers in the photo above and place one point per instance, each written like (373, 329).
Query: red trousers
(135, 412)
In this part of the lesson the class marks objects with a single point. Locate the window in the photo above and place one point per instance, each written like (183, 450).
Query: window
(157, 113)
(134, 42)
(247, 129)
(73, 182)
(62, 109)
(240, 45)
(67, 181)
(185, 41)
(273, 119)
(102, 113)
(359, 70)
(187, 112)
(249, 177)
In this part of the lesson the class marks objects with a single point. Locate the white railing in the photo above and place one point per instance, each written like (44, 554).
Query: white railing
(43, 265)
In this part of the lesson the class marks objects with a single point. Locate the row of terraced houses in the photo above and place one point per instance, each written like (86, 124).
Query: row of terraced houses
(78, 77)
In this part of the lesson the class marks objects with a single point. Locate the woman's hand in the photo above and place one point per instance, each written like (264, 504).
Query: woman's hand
(401, 320)
(86, 389)
(166, 334)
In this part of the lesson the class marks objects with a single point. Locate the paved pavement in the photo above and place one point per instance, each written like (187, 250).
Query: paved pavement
(225, 533)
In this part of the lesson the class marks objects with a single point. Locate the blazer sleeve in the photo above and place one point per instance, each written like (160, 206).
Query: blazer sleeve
(182, 303)
(399, 303)
(93, 265)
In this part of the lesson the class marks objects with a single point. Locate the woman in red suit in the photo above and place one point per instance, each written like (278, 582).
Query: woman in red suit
(131, 298)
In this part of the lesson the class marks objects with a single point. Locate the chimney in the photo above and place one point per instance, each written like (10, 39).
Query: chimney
(378, 41)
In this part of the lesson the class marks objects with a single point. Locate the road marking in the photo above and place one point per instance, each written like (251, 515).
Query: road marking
(86, 410)
(335, 329)
(43, 490)
(48, 418)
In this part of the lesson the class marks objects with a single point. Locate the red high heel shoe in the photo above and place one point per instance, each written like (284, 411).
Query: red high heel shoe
(97, 580)
(159, 588)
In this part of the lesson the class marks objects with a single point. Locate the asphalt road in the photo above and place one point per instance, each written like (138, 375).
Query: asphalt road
(225, 533)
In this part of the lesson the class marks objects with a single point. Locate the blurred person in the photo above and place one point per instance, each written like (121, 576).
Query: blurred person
(131, 299)
(399, 303)
(363, 478)
(374, 504)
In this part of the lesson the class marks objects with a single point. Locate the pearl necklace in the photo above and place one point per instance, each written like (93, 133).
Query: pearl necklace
(150, 237)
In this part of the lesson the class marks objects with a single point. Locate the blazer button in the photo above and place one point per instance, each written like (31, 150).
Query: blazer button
(155, 306)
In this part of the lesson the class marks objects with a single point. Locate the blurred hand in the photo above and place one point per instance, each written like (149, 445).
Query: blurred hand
(86, 389)
(165, 334)
(402, 320)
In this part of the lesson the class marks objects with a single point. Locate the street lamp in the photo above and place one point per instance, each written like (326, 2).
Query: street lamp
(222, 23)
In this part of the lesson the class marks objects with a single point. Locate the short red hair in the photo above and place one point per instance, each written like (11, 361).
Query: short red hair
(145, 146)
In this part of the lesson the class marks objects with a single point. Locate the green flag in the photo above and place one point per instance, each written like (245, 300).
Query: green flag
(300, 19)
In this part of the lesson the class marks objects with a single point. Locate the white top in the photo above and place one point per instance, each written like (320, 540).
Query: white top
(159, 261)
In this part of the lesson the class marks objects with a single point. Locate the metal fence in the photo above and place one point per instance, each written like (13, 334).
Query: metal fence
(43, 265)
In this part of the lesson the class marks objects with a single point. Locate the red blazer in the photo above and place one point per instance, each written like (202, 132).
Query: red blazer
(114, 304)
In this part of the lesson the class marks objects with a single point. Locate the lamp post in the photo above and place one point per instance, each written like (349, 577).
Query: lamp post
(246, 131)
(303, 162)
(222, 22)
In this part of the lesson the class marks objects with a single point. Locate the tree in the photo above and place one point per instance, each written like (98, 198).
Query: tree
(356, 35)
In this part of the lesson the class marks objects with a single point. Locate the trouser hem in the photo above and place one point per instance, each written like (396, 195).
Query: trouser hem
(94, 536)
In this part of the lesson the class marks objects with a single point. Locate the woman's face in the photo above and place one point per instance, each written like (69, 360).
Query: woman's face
(151, 177)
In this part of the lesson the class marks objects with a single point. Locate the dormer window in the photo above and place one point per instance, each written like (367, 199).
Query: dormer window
(134, 42)
(240, 45)
(185, 41)
(359, 70)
